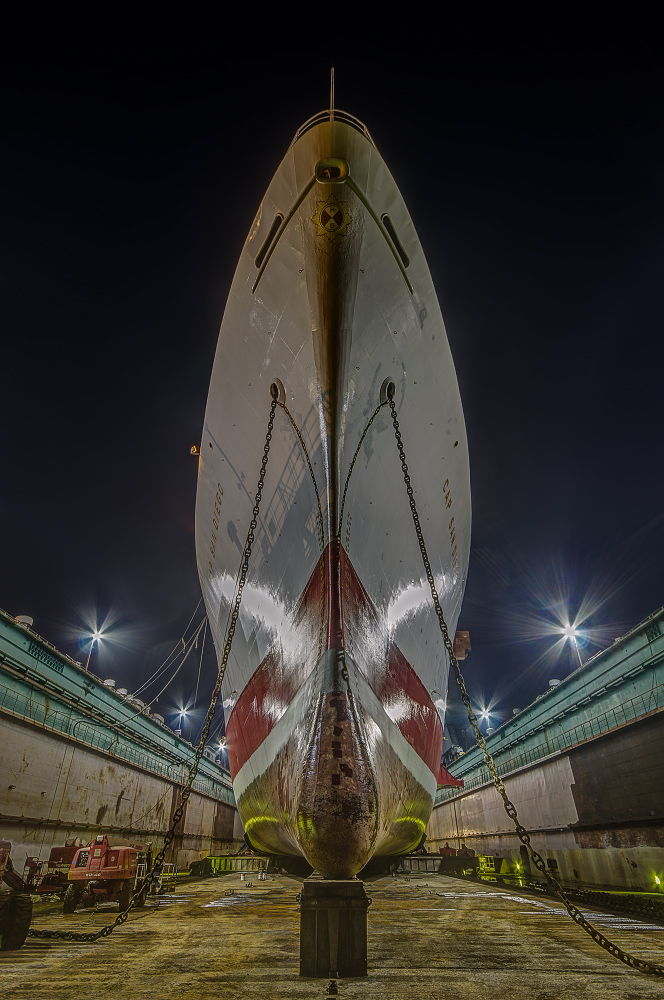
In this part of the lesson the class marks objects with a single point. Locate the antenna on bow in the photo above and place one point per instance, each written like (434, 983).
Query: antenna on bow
(332, 94)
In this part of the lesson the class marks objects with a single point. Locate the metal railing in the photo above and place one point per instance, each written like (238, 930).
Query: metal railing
(629, 711)
(239, 863)
(337, 116)
(165, 881)
(430, 863)
(109, 742)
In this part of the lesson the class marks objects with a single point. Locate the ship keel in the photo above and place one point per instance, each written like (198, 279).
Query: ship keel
(338, 802)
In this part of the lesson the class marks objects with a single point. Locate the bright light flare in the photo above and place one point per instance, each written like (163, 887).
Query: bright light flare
(572, 633)
(485, 713)
(553, 602)
(106, 634)
(551, 594)
(184, 710)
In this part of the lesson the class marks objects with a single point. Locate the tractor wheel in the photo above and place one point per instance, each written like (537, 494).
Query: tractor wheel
(72, 897)
(126, 893)
(5, 896)
(18, 925)
(141, 899)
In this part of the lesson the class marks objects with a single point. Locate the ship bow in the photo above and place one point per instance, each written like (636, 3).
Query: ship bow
(338, 809)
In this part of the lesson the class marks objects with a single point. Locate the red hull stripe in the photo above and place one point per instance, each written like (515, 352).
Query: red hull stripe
(353, 623)
(392, 678)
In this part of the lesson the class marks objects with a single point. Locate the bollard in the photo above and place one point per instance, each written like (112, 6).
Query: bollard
(333, 928)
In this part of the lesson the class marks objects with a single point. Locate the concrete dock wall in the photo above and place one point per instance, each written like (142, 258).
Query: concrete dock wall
(584, 766)
(52, 790)
(78, 758)
(595, 812)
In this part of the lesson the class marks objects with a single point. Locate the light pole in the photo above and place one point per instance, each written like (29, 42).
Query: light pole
(182, 716)
(570, 632)
(485, 716)
(96, 638)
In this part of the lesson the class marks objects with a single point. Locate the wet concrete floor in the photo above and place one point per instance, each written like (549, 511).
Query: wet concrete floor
(430, 937)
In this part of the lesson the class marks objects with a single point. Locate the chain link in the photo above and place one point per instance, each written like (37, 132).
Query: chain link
(169, 837)
(510, 809)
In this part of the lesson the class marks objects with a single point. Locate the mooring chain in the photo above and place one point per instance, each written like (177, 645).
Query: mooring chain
(147, 879)
(510, 809)
(319, 522)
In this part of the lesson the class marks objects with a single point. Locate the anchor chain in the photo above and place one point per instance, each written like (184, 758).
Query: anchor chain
(510, 809)
(169, 837)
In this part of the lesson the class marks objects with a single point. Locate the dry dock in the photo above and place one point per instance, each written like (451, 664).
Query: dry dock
(430, 937)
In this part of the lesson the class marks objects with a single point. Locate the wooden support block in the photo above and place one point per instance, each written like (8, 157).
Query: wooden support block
(333, 928)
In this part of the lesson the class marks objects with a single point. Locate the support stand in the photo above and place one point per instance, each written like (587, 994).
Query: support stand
(333, 928)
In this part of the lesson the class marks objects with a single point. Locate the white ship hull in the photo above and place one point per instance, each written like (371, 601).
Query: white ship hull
(336, 684)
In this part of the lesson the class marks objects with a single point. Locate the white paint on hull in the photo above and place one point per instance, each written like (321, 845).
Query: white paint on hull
(388, 331)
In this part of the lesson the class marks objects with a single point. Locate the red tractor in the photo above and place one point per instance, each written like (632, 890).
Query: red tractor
(100, 872)
(15, 903)
(50, 877)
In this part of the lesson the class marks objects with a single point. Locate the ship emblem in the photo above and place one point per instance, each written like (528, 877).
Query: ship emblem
(332, 218)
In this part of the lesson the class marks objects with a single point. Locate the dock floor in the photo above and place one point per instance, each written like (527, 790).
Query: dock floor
(429, 937)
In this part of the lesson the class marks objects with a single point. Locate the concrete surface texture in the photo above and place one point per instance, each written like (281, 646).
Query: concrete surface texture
(430, 937)
(52, 790)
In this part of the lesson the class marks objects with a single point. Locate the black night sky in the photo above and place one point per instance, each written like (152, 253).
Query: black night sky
(532, 168)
